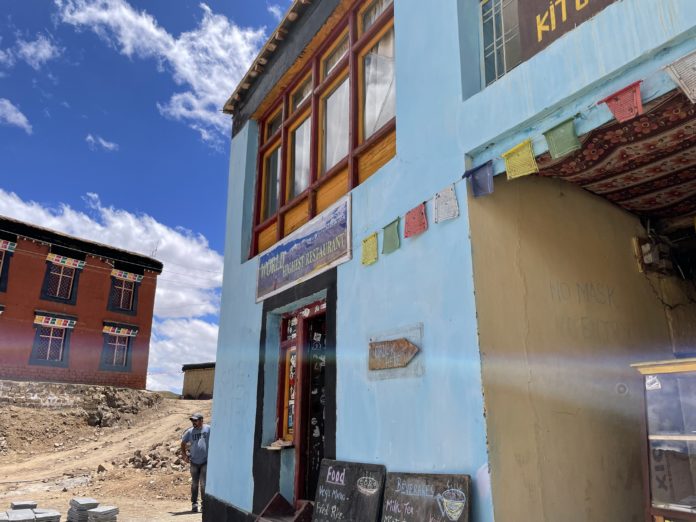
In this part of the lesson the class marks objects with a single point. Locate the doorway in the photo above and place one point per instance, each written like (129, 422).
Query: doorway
(304, 392)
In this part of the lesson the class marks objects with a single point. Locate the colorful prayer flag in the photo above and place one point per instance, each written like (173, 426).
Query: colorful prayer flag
(683, 72)
(562, 139)
(625, 104)
(390, 237)
(481, 179)
(520, 160)
(369, 250)
(416, 221)
(446, 205)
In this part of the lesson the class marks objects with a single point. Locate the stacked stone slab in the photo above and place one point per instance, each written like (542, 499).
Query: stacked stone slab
(46, 515)
(20, 515)
(26, 510)
(23, 504)
(103, 514)
(79, 506)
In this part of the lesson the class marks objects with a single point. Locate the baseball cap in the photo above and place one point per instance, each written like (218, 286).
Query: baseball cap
(196, 416)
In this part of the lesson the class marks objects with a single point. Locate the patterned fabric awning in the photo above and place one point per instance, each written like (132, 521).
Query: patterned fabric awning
(119, 330)
(65, 261)
(8, 246)
(646, 165)
(55, 322)
(126, 276)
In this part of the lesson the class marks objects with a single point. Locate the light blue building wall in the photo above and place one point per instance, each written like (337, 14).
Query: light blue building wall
(628, 41)
(432, 421)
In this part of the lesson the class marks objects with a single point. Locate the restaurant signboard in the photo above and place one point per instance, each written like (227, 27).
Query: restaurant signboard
(316, 247)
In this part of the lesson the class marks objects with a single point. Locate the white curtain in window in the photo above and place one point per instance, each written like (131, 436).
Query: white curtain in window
(374, 11)
(380, 85)
(272, 183)
(336, 126)
(301, 153)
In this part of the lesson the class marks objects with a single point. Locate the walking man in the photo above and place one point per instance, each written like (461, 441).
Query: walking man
(196, 440)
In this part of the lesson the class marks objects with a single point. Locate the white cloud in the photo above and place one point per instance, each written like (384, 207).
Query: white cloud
(37, 52)
(176, 342)
(11, 115)
(6, 58)
(97, 142)
(275, 10)
(188, 291)
(207, 61)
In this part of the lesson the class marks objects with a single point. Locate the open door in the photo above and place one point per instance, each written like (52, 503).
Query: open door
(303, 393)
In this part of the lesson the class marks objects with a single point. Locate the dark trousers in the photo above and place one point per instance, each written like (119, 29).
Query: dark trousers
(198, 472)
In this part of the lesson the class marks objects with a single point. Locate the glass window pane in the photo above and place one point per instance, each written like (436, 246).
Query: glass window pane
(373, 12)
(671, 405)
(336, 55)
(335, 146)
(510, 21)
(380, 85)
(65, 286)
(488, 36)
(489, 62)
(43, 343)
(274, 124)
(302, 93)
(271, 183)
(499, 61)
(513, 54)
(299, 169)
(498, 28)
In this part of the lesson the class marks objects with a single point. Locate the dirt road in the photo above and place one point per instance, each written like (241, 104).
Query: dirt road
(52, 474)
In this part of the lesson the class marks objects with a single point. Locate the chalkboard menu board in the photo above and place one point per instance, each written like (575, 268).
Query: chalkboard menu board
(349, 491)
(431, 498)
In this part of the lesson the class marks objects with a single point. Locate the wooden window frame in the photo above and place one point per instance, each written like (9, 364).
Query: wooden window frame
(304, 114)
(70, 274)
(330, 89)
(350, 66)
(113, 345)
(361, 79)
(342, 63)
(121, 288)
(119, 342)
(274, 145)
(49, 332)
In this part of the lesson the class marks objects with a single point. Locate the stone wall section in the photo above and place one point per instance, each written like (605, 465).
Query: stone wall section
(100, 403)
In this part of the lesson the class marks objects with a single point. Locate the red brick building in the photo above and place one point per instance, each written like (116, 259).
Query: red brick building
(73, 310)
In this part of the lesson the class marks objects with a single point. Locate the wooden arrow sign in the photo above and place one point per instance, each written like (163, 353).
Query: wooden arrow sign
(396, 353)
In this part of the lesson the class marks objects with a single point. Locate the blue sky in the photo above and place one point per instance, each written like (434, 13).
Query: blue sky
(110, 129)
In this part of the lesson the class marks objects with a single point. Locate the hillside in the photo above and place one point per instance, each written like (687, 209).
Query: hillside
(118, 446)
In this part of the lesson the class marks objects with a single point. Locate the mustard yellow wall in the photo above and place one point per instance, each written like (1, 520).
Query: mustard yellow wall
(198, 382)
(562, 312)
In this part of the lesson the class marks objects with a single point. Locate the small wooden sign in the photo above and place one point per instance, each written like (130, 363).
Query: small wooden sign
(395, 353)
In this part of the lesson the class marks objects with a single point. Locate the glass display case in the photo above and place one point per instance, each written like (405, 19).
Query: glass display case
(670, 423)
